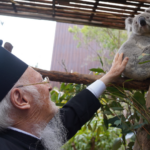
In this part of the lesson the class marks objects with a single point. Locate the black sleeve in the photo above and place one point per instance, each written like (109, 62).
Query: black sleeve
(78, 111)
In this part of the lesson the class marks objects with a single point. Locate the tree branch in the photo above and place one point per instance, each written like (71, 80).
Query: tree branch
(92, 143)
(87, 79)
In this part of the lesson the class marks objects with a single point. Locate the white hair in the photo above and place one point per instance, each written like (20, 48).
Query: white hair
(6, 107)
(54, 135)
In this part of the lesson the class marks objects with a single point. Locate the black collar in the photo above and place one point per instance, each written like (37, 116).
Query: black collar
(21, 139)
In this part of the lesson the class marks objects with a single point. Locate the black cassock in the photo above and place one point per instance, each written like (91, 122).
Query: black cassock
(73, 114)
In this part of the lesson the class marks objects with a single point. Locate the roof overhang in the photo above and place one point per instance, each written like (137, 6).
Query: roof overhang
(102, 13)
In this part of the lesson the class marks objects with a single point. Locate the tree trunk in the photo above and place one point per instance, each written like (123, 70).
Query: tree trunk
(143, 138)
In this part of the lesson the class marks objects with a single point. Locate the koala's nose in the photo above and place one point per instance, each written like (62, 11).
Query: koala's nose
(142, 21)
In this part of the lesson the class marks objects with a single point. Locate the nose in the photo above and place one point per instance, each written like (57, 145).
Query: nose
(142, 21)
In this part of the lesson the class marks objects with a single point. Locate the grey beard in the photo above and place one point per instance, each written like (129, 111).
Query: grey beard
(54, 135)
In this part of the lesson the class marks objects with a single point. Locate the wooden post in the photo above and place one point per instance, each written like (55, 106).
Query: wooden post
(8, 46)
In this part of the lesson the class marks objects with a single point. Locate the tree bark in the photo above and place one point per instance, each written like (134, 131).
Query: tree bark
(142, 141)
(87, 79)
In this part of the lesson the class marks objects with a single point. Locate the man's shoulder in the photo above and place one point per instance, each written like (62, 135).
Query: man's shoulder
(7, 145)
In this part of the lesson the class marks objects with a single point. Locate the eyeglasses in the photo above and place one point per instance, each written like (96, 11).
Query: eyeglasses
(45, 81)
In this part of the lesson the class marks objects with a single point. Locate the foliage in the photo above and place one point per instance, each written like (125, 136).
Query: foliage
(94, 129)
(115, 124)
(119, 116)
(107, 42)
(94, 133)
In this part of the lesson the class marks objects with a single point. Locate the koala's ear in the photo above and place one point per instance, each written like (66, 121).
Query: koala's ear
(147, 10)
(128, 23)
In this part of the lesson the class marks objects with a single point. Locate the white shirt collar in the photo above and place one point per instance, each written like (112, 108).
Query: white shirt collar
(24, 132)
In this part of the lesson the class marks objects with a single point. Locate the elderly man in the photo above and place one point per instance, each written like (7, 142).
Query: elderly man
(29, 120)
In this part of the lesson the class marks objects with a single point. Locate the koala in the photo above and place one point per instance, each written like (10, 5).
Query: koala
(137, 47)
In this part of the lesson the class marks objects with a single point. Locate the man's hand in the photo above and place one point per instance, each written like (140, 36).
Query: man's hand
(117, 68)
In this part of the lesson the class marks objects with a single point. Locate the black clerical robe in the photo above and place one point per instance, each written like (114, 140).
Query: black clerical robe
(74, 114)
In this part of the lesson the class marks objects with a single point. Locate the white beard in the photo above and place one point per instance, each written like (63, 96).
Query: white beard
(54, 135)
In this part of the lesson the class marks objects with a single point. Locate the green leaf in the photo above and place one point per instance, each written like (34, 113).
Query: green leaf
(128, 80)
(84, 128)
(62, 87)
(112, 120)
(130, 145)
(137, 126)
(139, 98)
(105, 121)
(117, 143)
(107, 112)
(59, 104)
(98, 131)
(100, 60)
(144, 62)
(54, 96)
(148, 136)
(95, 125)
(115, 91)
(89, 127)
(99, 70)
(117, 108)
(117, 122)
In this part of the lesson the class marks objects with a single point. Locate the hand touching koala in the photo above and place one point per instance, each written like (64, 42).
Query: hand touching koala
(138, 44)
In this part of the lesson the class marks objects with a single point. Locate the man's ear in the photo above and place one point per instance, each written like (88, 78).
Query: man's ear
(147, 10)
(128, 23)
(18, 99)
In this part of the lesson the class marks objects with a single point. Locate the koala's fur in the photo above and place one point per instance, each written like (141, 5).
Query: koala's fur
(137, 44)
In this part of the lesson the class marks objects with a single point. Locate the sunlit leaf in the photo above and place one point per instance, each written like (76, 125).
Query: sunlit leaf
(62, 87)
(144, 62)
(59, 104)
(98, 130)
(99, 70)
(89, 127)
(95, 125)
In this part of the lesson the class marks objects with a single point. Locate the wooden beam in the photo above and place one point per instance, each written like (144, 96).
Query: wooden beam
(59, 19)
(87, 79)
(14, 7)
(94, 9)
(53, 8)
(144, 1)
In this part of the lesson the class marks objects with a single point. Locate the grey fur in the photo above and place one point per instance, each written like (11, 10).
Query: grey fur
(137, 44)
